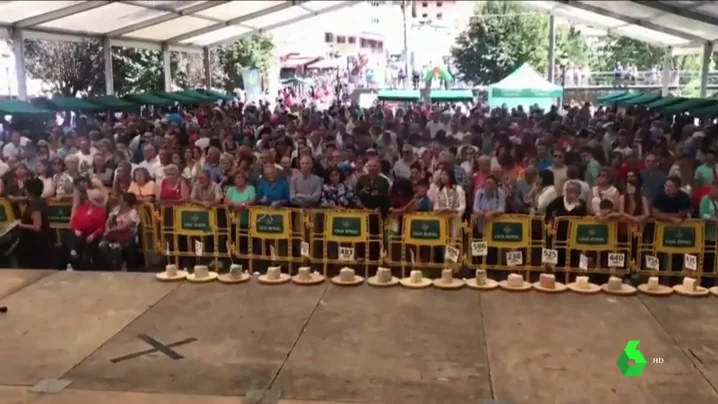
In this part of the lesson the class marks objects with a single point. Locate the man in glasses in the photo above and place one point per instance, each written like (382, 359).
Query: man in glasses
(560, 171)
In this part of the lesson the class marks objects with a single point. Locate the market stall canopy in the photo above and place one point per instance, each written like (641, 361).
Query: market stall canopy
(451, 95)
(66, 104)
(111, 102)
(399, 95)
(608, 97)
(524, 87)
(148, 99)
(217, 94)
(22, 108)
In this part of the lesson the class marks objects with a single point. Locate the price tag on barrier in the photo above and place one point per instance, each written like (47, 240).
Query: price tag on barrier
(346, 253)
(616, 260)
(479, 249)
(451, 254)
(690, 262)
(304, 248)
(583, 263)
(652, 263)
(198, 247)
(514, 258)
(412, 256)
(549, 256)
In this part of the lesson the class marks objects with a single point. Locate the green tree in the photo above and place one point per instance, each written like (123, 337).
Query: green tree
(571, 45)
(613, 49)
(137, 70)
(68, 68)
(254, 52)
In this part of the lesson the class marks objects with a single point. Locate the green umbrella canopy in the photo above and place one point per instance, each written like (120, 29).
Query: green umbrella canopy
(439, 73)
(610, 96)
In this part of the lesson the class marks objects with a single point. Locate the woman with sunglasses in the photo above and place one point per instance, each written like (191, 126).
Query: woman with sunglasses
(603, 190)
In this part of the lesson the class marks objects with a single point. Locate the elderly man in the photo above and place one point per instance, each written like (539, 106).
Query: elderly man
(305, 189)
(272, 189)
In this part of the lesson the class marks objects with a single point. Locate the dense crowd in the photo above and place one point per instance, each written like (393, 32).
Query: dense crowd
(464, 162)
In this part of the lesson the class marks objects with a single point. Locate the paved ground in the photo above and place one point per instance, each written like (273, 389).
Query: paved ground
(252, 343)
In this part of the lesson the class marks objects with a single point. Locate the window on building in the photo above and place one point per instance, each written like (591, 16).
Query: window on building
(341, 39)
(374, 3)
(439, 4)
(362, 43)
(380, 45)
(352, 39)
(375, 21)
(329, 37)
(425, 15)
(439, 16)
(425, 4)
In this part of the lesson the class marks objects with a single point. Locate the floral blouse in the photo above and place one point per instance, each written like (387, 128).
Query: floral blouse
(340, 195)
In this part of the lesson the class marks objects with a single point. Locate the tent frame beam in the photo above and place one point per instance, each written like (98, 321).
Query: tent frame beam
(187, 12)
(685, 12)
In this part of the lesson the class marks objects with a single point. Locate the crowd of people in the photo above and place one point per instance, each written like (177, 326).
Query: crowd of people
(615, 164)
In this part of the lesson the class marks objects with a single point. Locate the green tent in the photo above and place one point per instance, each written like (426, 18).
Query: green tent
(399, 95)
(524, 87)
(66, 104)
(664, 102)
(217, 95)
(451, 95)
(148, 99)
(111, 102)
(644, 98)
(22, 108)
(610, 96)
(708, 112)
(689, 105)
(437, 73)
(628, 97)
(178, 96)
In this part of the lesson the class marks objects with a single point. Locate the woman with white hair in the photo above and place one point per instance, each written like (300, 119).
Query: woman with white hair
(172, 189)
(64, 181)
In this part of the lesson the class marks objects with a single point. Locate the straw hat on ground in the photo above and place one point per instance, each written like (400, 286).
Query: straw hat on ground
(347, 277)
(416, 280)
(583, 286)
(547, 284)
(235, 275)
(305, 276)
(447, 281)
(515, 283)
(654, 288)
(171, 274)
(201, 274)
(615, 286)
(383, 278)
(481, 281)
(274, 276)
(690, 287)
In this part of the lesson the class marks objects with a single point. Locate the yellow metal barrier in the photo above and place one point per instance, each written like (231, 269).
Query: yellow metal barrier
(345, 238)
(7, 215)
(666, 249)
(593, 241)
(59, 214)
(507, 243)
(427, 241)
(267, 236)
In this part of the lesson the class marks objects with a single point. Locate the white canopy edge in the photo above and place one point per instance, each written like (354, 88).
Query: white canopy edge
(187, 26)
(684, 28)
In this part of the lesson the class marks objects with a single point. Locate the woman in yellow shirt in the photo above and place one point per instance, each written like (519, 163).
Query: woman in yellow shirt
(142, 186)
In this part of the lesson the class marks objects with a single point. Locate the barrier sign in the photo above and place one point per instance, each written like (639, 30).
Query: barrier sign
(59, 215)
(688, 237)
(424, 230)
(269, 224)
(346, 227)
(508, 233)
(591, 235)
(194, 221)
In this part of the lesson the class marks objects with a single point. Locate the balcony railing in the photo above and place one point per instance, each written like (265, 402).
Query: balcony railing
(642, 78)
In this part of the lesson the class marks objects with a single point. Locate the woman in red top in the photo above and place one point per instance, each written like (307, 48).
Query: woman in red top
(87, 223)
(172, 189)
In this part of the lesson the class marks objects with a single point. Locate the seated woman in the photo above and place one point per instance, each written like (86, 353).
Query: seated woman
(336, 193)
(87, 224)
(35, 235)
(120, 239)
(142, 186)
(241, 194)
(172, 189)
(64, 180)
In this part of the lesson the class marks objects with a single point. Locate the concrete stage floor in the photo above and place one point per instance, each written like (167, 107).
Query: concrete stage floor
(252, 343)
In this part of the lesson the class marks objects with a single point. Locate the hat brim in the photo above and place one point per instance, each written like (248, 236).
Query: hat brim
(700, 291)
(714, 290)
(228, 279)
(211, 276)
(590, 289)
(524, 286)
(165, 277)
(374, 281)
(356, 281)
(626, 290)
(407, 283)
(662, 290)
(558, 287)
(454, 284)
(489, 285)
(314, 279)
(283, 278)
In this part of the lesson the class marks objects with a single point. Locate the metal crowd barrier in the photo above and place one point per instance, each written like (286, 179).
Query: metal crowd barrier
(328, 239)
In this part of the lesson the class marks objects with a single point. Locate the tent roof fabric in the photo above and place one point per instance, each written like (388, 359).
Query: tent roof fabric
(609, 96)
(217, 95)
(199, 96)
(110, 102)
(451, 95)
(525, 82)
(148, 99)
(178, 96)
(688, 105)
(625, 97)
(682, 25)
(66, 104)
(664, 102)
(21, 108)
(182, 25)
(399, 95)
(710, 111)
(642, 99)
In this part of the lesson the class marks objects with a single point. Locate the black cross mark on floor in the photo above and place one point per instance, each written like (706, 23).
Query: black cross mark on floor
(156, 347)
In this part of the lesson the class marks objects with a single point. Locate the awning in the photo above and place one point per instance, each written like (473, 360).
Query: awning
(399, 95)
(199, 96)
(623, 98)
(664, 102)
(148, 99)
(451, 95)
(688, 105)
(66, 104)
(708, 112)
(20, 108)
(110, 102)
(178, 96)
(218, 95)
(610, 96)
(644, 98)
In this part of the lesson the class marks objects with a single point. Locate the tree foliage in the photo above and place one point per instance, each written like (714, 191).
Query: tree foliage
(622, 49)
(502, 36)
(72, 68)
(68, 68)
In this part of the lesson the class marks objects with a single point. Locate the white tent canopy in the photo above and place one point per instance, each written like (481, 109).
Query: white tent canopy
(524, 87)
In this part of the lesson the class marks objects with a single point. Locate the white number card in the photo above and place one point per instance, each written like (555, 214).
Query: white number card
(346, 253)
(451, 254)
(583, 263)
(652, 262)
(514, 258)
(616, 260)
(479, 249)
(549, 256)
(198, 247)
(690, 262)
(304, 248)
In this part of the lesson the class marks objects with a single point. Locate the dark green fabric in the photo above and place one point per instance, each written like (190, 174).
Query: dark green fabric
(451, 95)
(110, 102)
(148, 99)
(21, 108)
(66, 104)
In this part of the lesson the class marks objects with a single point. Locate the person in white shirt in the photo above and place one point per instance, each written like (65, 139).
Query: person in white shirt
(14, 148)
(434, 126)
(86, 154)
(151, 163)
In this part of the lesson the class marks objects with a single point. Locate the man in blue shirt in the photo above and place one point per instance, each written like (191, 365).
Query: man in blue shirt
(272, 190)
